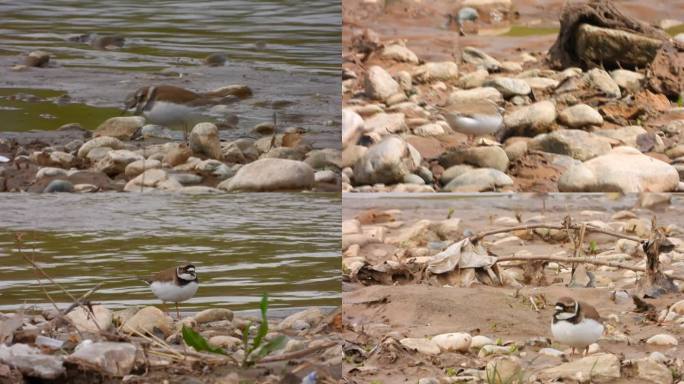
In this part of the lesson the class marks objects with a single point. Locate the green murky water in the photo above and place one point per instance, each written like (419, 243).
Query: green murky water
(284, 50)
(242, 244)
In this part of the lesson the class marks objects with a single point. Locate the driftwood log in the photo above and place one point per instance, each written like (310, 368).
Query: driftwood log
(601, 14)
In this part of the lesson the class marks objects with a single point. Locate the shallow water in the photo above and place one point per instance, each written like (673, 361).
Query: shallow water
(242, 244)
(284, 50)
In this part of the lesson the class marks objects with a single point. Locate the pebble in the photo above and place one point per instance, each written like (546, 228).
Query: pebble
(379, 83)
(204, 140)
(449, 342)
(479, 180)
(271, 175)
(435, 71)
(59, 186)
(662, 339)
(535, 116)
(509, 86)
(476, 94)
(386, 162)
(213, 314)
(479, 58)
(576, 143)
(602, 81)
(579, 116)
(421, 345)
(482, 157)
(112, 358)
(31, 362)
(84, 322)
(398, 52)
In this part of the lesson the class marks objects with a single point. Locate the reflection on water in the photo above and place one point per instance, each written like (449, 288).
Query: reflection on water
(287, 52)
(242, 244)
(299, 35)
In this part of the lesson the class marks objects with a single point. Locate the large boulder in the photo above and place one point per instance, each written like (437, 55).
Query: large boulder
(624, 169)
(610, 46)
(388, 162)
(271, 175)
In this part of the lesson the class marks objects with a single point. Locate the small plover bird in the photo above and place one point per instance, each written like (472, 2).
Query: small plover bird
(166, 105)
(476, 118)
(175, 284)
(576, 323)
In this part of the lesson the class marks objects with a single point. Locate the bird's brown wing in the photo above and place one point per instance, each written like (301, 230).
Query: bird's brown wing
(181, 95)
(589, 312)
(165, 275)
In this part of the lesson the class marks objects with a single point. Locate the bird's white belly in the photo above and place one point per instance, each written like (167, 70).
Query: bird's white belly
(171, 115)
(577, 335)
(168, 291)
(478, 125)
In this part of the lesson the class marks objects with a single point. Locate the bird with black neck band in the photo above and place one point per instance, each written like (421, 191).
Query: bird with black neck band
(175, 285)
(576, 323)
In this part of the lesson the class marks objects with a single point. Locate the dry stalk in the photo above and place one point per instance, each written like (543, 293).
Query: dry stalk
(296, 354)
(593, 261)
(479, 236)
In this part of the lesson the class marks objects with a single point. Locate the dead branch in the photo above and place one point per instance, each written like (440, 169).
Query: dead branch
(587, 260)
(296, 354)
(479, 236)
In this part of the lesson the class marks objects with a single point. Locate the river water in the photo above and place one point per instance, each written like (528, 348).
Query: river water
(288, 52)
(242, 245)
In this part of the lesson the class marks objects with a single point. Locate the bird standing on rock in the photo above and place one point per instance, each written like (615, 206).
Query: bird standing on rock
(576, 323)
(175, 284)
(474, 118)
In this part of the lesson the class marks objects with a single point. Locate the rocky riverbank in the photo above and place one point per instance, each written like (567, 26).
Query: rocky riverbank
(436, 292)
(142, 345)
(576, 116)
(126, 154)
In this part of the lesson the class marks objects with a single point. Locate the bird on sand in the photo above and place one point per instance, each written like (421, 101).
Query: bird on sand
(576, 323)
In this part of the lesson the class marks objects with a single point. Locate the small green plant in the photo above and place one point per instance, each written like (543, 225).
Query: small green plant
(450, 213)
(680, 100)
(593, 247)
(451, 372)
(376, 382)
(197, 341)
(256, 349)
(494, 376)
(499, 341)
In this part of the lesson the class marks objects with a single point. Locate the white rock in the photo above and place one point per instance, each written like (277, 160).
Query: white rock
(271, 175)
(662, 339)
(624, 169)
(379, 84)
(580, 115)
(386, 162)
(509, 86)
(86, 323)
(424, 346)
(399, 52)
(458, 341)
(476, 94)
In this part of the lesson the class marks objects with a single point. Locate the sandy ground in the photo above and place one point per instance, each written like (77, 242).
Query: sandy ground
(374, 313)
